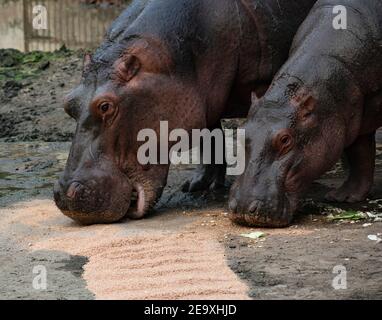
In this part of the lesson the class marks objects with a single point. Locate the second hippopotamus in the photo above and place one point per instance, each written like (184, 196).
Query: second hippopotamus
(325, 101)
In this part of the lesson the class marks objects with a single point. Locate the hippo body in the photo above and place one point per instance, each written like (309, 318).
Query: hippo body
(325, 100)
(190, 63)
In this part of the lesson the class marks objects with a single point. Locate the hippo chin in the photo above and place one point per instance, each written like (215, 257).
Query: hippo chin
(190, 63)
(325, 101)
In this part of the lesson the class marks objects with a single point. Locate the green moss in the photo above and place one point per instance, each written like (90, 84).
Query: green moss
(18, 66)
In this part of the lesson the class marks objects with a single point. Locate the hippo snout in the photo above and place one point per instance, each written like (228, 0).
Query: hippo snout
(272, 212)
(91, 203)
(67, 195)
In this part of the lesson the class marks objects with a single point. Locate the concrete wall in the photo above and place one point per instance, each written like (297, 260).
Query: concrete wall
(75, 23)
(11, 25)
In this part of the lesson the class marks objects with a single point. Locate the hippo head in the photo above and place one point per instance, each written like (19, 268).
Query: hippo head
(291, 140)
(124, 89)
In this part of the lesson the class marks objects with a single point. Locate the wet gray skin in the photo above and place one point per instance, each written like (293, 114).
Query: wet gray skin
(325, 101)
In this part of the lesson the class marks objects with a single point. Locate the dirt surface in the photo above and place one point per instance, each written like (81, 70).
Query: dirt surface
(187, 249)
(32, 89)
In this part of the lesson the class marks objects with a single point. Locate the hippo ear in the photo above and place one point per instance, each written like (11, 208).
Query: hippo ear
(254, 103)
(306, 108)
(128, 67)
(86, 62)
(87, 59)
(309, 103)
(254, 98)
(304, 101)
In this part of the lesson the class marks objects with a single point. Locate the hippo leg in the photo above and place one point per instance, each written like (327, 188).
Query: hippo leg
(207, 176)
(361, 159)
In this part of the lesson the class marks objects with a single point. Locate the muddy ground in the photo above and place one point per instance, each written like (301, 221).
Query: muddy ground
(187, 249)
(32, 88)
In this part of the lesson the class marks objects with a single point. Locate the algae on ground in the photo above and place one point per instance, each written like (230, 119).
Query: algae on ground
(18, 66)
(348, 215)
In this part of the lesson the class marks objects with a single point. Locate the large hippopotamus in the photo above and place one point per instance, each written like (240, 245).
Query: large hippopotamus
(325, 101)
(190, 63)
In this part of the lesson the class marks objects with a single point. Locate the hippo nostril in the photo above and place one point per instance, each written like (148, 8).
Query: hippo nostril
(232, 205)
(253, 206)
(73, 190)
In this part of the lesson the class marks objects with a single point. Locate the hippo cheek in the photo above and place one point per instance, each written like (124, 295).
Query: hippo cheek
(94, 205)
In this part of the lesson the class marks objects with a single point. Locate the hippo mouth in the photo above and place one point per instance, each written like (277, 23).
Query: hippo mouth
(87, 206)
(105, 194)
(263, 220)
(279, 211)
(266, 214)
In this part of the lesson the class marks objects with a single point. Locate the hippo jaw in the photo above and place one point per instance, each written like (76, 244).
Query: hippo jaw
(105, 194)
(87, 205)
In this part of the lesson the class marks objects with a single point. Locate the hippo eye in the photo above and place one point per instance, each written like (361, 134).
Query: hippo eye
(106, 111)
(285, 140)
(105, 107)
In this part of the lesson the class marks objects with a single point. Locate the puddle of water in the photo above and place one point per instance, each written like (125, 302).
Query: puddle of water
(30, 169)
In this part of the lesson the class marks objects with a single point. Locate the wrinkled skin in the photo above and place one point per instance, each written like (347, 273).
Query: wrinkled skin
(191, 63)
(326, 100)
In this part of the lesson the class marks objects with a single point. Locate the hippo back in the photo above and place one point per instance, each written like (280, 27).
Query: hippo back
(277, 22)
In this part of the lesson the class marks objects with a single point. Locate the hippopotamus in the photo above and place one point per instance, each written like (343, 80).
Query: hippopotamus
(190, 63)
(325, 101)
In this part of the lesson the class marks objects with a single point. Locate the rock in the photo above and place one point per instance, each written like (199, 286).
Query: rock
(11, 88)
(10, 57)
(44, 65)
(374, 237)
(254, 235)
